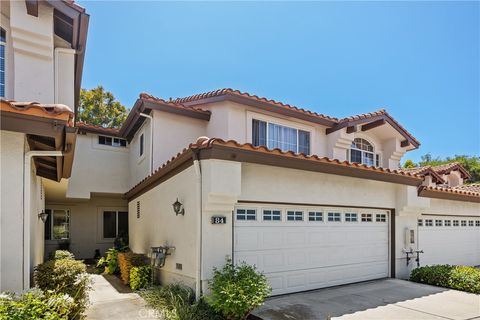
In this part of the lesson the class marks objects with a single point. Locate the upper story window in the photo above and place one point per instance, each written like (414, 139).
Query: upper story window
(363, 152)
(284, 138)
(114, 142)
(141, 144)
(3, 41)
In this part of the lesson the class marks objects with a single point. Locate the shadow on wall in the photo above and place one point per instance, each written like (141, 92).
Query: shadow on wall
(344, 300)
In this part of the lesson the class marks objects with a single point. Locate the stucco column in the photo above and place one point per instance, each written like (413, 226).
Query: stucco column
(338, 143)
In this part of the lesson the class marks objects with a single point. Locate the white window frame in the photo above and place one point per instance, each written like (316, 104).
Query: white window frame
(456, 223)
(447, 223)
(363, 152)
(438, 223)
(333, 214)
(366, 217)
(477, 223)
(282, 125)
(420, 222)
(246, 214)
(463, 223)
(471, 223)
(317, 216)
(116, 221)
(114, 145)
(69, 217)
(271, 215)
(381, 217)
(351, 215)
(295, 215)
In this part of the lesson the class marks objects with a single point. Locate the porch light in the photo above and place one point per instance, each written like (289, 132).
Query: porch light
(178, 208)
(42, 215)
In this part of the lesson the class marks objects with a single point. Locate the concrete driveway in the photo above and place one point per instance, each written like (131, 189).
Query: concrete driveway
(381, 299)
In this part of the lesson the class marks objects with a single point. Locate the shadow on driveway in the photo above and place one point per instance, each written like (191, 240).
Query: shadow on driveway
(380, 299)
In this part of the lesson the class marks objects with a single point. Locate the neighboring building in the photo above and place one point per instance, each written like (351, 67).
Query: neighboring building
(312, 200)
(42, 45)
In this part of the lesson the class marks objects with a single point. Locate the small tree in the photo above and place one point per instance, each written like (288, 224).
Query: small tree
(99, 107)
(409, 164)
(236, 290)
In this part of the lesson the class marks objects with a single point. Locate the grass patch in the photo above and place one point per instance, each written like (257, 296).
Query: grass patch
(461, 278)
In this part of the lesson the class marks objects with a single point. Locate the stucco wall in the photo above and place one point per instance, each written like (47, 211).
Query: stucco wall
(158, 225)
(140, 165)
(86, 224)
(98, 168)
(11, 204)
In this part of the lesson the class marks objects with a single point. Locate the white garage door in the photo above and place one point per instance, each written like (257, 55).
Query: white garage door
(304, 248)
(449, 240)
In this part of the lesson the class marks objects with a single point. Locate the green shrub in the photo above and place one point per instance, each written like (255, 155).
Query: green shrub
(35, 304)
(110, 261)
(61, 254)
(65, 276)
(237, 289)
(140, 277)
(126, 261)
(177, 302)
(455, 277)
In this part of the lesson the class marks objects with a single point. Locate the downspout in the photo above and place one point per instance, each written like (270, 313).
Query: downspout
(151, 139)
(27, 168)
(198, 183)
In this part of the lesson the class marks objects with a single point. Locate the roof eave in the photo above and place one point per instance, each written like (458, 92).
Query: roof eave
(446, 195)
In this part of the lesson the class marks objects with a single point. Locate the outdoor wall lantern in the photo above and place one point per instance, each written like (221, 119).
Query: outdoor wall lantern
(42, 215)
(178, 208)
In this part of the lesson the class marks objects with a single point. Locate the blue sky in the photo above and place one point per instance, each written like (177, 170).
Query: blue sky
(419, 60)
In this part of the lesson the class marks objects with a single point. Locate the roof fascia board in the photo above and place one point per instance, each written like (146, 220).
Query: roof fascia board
(422, 192)
(32, 124)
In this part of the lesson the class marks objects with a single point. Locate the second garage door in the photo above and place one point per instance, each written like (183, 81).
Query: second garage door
(305, 248)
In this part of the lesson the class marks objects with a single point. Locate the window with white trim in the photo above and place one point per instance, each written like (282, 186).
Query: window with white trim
(351, 217)
(438, 223)
(110, 141)
(115, 224)
(367, 217)
(315, 216)
(428, 223)
(278, 136)
(381, 217)
(448, 223)
(420, 222)
(272, 215)
(294, 215)
(57, 225)
(246, 214)
(3, 42)
(470, 223)
(334, 217)
(464, 223)
(456, 223)
(477, 223)
(362, 151)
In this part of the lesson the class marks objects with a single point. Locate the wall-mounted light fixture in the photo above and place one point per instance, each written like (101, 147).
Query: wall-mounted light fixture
(178, 208)
(42, 215)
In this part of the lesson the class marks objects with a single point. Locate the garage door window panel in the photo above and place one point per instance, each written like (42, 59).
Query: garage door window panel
(334, 217)
(351, 217)
(456, 223)
(464, 223)
(246, 214)
(477, 223)
(420, 222)
(448, 223)
(315, 216)
(294, 215)
(470, 223)
(438, 223)
(367, 217)
(429, 223)
(272, 215)
(381, 217)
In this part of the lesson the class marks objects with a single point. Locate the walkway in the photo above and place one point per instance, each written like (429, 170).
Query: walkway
(109, 299)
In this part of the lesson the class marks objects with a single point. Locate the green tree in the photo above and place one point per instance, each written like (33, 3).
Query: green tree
(99, 107)
(470, 163)
(409, 164)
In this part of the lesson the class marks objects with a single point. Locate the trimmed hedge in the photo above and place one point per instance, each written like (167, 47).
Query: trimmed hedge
(140, 277)
(461, 278)
(126, 261)
(65, 276)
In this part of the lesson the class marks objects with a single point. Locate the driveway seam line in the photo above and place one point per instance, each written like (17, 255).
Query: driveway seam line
(432, 314)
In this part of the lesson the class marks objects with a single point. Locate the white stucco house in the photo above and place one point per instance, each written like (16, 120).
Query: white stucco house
(312, 200)
(42, 47)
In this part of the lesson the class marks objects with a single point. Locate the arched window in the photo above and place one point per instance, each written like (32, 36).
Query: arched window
(3, 41)
(363, 152)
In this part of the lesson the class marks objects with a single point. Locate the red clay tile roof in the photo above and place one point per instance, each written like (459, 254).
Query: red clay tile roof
(231, 92)
(54, 111)
(424, 171)
(85, 127)
(449, 167)
(174, 105)
(449, 190)
(474, 187)
(206, 143)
